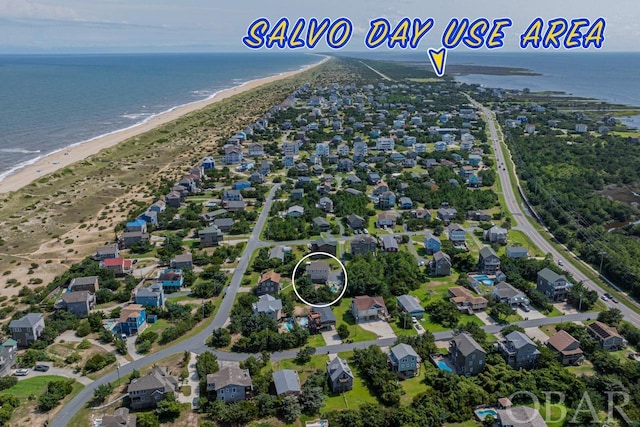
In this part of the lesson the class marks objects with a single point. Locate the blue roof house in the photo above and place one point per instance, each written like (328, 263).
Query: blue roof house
(137, 225)
(171, 279)
(241, 185)
(431, 244)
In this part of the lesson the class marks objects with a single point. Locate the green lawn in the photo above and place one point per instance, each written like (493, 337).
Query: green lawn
(518, 237)
(413, 387)
(351, 399)
(316, 341)
(399, 331)
(34, 386)
(343, 315)
(317, 362)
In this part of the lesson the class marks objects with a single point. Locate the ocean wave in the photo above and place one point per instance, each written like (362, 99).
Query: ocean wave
(18, 150)
(135, 116)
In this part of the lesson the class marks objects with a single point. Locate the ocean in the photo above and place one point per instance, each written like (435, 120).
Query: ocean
(608, 76)
(49, 102)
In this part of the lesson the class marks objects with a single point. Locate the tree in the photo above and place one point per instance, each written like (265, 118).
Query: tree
(405, 320)
(581, 297)
(611, 317)
(304, 355)
(168, 409)
(290, 409)
(500, 311)
(121, 347)
(103, 391)
(147, 419)
(220, 338)
(343, 331)
(311, 399)
(444, 313)
(84, 328)
(134, 375)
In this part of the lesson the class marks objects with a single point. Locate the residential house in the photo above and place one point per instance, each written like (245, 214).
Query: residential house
(119, 266)
(243, 184)
(553, 285)
(149, 216)
(233, 195)
(235, 205)
(356, 222)
(520, 416)
(387, 200)
(466, 301)
(364, 307)
(322, 149)
(411, 305)
(495, 235)
(289, 162)
(488, 261)
(133, 319)
(440, 146)
(386, 220)
(389, 243)
(405, 203)
(137, 225)
(27, 329)
(420, 148)
(466, 355)
(340, 375)
(421, 214)
(517, 252)
(318, 271)
(269, 306)
(360, 150)
(297, 194)
(145, 392)
(120, 418)
(321, 319)
(224, 224)
(606, 335)
(255, 150)
(173, 199)
(567, 347)
(343, 150)
(363, 244)
(269, 283)
(182, 261)
(373, 179)
(130, 238)
(106, 252)
(89, 283)
(290, 149)
(325, 245)
(507, 294)
(151, 296)
(581, 128)
(286, 382)
(322, 224)
(404, 360)
(78, 303)
(171, 280)
(326, 204)
(230, 384)
(440, 265)
(457, 234)
(210, 236)
(447, 214)
(385, 144)
(519, 351)
(232, 154)
(478, 215)
(158, 207)
(295, 211)
(431, 243)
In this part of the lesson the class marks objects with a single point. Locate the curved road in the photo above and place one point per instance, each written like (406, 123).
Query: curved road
(525, 225)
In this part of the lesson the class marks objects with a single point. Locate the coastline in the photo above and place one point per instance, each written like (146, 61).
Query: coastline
(79, 151)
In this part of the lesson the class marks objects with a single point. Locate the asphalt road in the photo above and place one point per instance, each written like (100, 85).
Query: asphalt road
(525, 225)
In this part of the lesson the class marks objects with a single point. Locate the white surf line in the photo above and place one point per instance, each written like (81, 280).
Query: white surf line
(376, 71)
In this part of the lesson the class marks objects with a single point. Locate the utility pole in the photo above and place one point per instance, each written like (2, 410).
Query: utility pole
(602, 254)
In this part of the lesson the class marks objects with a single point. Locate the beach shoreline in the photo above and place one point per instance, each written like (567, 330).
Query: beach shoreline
(77, 152)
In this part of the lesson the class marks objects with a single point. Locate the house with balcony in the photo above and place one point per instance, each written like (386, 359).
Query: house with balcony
(270, 282)
(606, 335)
(151, 296)
(519, 351)
(133, 319)
(466, 355)
(364, 307)
(431, 243)
(210, 236)
(363, 244)
(230, 384)
(553, 285)
(27, 329)
(457, 234)
(78, 303)
(440, 265)
(269, 306)
(146, 392)
(505, 293)
(566, 347)
(404, 361)
(320, 319)
(340, 375)
(488, 261)
(89, 283)
(466, 301)
(496, 235)
(171, 280)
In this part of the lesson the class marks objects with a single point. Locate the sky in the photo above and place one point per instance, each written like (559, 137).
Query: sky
(47, 26)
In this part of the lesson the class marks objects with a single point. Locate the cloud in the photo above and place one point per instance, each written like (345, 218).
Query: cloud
(34, 10)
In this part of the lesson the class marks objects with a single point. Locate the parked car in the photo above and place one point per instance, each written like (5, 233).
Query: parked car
(560, 262)
(21, 372)
(614, 300)
(41, 368)
(604, 298)
(607, 294)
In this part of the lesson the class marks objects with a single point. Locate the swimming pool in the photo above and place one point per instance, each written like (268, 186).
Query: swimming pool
(289, 326)
(303, 321)
(443, 366)
(482, 413)
(484, 279)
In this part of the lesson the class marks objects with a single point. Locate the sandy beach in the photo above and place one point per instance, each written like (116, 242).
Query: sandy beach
(61, 159)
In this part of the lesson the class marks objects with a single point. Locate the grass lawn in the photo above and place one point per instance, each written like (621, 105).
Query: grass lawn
(343, 315)
(554, 313)
(549, 330)
(401, 331)
(412, 387)
(469, 423)
(316, 341)
(586, 369)
(351, 399)
(517, 236)
(317, 362)
(553, 413)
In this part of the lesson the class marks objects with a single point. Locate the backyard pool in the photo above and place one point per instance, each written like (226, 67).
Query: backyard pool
(443, 366)
(482, 413)
(484, 279)
(303, 321)
(289, 326)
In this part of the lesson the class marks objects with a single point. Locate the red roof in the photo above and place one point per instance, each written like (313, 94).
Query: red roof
(112, 262)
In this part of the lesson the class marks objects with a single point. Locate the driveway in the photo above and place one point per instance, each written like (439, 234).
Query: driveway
(531, 314)
(379, 327)
(482, 315)
(62, 372)
(193, 382)
(331, 337)
(536, 334)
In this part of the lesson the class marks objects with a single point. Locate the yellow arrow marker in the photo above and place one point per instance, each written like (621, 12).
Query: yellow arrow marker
(438, 60)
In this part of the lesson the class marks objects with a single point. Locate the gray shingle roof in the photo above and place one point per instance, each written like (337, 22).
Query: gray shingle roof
(80, 281)
(267, 303)
(337, 367)
(550, 275)
(409, 303)
(26, 321)
(231, 375)
(466, 344)
(286, 381)
(519, 340)
(505, 290)
(403, 350)
(326, 314)
(487, 251)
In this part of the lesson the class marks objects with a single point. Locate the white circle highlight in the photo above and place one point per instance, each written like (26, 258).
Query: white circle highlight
(344, 286)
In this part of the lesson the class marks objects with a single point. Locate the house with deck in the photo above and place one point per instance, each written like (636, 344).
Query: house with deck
(27, 329)
(466, 355)
(230, 384)
(519, 351)
(364, 307)
(488, 261)
(270, 282)
(555, 286)
(404, 361)
(606, 335)
(340, 375)
(566, 347)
